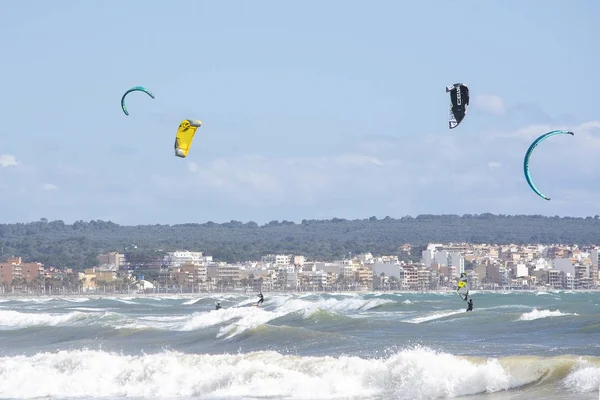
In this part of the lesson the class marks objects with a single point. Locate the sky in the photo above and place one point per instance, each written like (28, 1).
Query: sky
(310, 110)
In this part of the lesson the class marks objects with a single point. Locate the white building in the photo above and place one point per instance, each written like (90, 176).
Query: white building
(451, 259)
(594, 257)
(445, 258)
(428, 255)
(288, 277)
(178, 258)
(315, 279)
(332, 268)
(389, 270)
(365, 258)
(541, 264)
(276, 259)
(113, 260)
(521, 271)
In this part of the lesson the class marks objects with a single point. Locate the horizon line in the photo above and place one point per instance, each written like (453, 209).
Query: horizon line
(332, 219)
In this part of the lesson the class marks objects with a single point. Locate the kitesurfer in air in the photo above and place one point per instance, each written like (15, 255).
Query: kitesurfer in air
(470, 305)
(261, 299)
(218, 306)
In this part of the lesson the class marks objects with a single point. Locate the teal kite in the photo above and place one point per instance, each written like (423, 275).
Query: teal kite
(528, 154)
(134, 89)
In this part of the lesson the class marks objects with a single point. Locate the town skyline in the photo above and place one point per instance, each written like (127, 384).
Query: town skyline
(438, 267)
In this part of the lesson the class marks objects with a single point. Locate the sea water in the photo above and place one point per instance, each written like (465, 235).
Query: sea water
(517, 345)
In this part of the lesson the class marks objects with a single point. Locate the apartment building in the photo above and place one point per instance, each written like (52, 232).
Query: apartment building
(228, 273)
(198, 273)
(115, 259)
(277, 259)
(15, 269)
(411, 277)
(178, 258)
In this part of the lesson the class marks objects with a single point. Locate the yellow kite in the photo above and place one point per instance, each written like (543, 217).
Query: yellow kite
(185, 135)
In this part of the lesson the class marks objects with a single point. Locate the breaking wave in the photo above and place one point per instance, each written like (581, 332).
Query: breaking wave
(232, 320)
(537, 314)
(418, 373)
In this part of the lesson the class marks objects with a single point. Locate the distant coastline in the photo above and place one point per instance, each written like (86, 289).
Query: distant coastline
(96, 295)
(77, 245)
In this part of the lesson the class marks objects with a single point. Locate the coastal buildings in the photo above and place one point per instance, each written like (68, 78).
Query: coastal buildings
(489, 267)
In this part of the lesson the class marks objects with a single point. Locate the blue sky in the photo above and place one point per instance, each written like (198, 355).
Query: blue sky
(312, 109)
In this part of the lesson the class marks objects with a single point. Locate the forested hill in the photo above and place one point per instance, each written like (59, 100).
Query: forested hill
(58, 244)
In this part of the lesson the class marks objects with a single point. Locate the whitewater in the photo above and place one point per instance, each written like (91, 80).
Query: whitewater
(517, 345)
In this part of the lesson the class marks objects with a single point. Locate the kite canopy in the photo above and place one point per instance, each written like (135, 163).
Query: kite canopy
(462, 287)
(134, 89)
(185, 135)
(459, 103)
(528, 154)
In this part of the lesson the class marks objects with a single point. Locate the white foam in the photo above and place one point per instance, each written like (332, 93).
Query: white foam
(123, 300)
(76, 299)
(252, 317)
(218, 317)
(537, 314)
(586, 378)
(238, 319)
(90, 309)
(10, 319)
(13, 320)
(191, 301)
(38, 300)
(411, 374)
(434, 316)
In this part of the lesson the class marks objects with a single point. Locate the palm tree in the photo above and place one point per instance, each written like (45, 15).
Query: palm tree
(382, 280)
(81, 283)
(127, 282)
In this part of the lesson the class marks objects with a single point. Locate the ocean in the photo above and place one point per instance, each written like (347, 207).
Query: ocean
(514, 345)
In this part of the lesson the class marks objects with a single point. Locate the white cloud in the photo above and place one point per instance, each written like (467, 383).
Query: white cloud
(376, 175)
(357, 159)
(264, 181)
(7, 160)
(490, 103)
(588, 132)
(406, 175)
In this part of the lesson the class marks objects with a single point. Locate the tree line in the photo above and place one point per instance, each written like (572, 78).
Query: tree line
(76, 245)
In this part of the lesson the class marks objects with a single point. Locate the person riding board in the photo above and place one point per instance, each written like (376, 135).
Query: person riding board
(262, 299)
(470, 305)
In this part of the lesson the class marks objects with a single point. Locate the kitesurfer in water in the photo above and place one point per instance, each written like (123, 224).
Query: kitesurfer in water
(470, 305)
(262, 299)
(218, 306)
